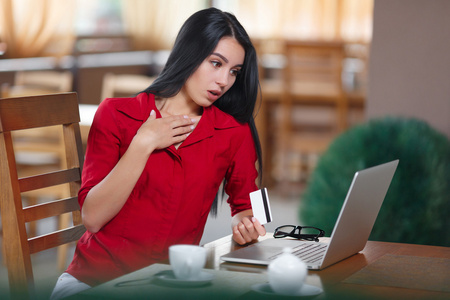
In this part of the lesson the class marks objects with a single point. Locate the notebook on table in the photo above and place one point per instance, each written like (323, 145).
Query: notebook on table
(351, 231)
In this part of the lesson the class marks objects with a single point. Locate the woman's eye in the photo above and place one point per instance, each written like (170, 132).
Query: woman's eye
(235, 72)
(216, 64)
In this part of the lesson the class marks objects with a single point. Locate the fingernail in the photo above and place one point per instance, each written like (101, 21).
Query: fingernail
(253, 219)
(152, 113)
(186, 117)
(192, 127)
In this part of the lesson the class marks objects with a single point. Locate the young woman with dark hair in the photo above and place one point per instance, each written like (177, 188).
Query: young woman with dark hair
(155, 162)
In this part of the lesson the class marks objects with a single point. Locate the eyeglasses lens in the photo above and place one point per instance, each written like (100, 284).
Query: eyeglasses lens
(283, 231)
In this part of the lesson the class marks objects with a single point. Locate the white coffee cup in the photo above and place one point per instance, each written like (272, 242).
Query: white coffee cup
(287, 274)
(187, 261)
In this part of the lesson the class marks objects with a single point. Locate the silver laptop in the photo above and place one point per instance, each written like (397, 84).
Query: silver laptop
(350, 233)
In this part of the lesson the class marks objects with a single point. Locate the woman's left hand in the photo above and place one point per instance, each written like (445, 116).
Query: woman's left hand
(246, 228)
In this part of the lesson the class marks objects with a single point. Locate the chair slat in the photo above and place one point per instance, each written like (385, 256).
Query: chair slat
(49, 179)
(44, 242)
(50, 209)
(49, 111)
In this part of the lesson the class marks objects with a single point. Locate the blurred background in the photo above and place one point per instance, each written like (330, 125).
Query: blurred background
(93, 38)
(327, 68)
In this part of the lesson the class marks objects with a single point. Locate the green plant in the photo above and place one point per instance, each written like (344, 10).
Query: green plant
(417, 206)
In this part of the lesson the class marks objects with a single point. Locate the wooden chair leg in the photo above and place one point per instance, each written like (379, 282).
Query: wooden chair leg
(3, 247)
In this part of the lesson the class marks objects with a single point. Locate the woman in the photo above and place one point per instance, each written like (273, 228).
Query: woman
(155, 162)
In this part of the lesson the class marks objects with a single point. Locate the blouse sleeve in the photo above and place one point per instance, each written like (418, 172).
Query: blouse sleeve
(102, 152)
(241, 175)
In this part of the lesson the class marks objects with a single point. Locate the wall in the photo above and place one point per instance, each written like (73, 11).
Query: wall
(410, 61)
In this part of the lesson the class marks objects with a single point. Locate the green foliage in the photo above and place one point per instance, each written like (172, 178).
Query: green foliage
(417, 206)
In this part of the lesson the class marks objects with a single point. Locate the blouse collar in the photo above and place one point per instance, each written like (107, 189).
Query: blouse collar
(139, 108)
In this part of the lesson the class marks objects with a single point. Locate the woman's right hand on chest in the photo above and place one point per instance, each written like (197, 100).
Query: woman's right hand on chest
(104, 201)
(164, 132)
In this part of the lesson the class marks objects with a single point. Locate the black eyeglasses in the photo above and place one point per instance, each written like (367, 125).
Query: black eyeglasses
(309, 233)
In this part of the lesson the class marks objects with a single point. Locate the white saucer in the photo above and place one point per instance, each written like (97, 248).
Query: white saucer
(307, 290)
(169, 277)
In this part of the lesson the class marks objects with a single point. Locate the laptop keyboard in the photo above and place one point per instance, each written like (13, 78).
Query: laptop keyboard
(307, 252)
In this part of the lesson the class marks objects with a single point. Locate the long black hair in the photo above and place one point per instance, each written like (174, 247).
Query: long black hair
(196, 40)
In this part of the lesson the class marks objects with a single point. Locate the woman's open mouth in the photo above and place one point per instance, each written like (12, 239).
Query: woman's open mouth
(214, 94)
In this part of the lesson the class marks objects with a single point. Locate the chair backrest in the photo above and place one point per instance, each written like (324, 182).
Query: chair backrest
(313, 75)
(314, 64)
(59, 81)
(24, 113)
(124, 84)
(27, 83)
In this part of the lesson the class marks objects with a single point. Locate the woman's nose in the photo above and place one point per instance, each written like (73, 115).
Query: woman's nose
(222, 78)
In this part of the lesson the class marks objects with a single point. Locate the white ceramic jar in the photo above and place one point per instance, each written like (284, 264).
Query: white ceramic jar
(287, 273)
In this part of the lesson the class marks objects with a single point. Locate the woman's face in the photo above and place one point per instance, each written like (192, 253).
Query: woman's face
(216, 74)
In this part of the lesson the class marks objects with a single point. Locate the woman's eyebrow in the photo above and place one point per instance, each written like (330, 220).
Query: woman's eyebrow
(224, 58)
(221, 56)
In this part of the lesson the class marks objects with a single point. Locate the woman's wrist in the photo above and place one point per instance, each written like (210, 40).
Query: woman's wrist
(141, 147)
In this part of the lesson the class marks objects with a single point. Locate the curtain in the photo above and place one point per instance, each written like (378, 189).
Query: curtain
(32, 28)
(349, 20)
(154, 24)
(356, 20)
(46, 27)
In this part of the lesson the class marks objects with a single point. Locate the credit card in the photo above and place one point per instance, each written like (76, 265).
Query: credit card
(261, 206)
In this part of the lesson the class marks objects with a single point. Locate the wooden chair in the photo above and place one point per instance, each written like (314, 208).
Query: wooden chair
(28, 83)
(40, 150)
(314, 104)
(35, 112)
(119, 85)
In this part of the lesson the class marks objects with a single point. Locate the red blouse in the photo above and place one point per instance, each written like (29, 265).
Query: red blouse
(172, 198)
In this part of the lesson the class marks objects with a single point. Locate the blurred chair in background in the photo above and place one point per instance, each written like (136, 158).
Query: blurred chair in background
(306, 90)
(19, 114)
(314, 105)
(417, 205)
(28, 83)
(124, 85)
